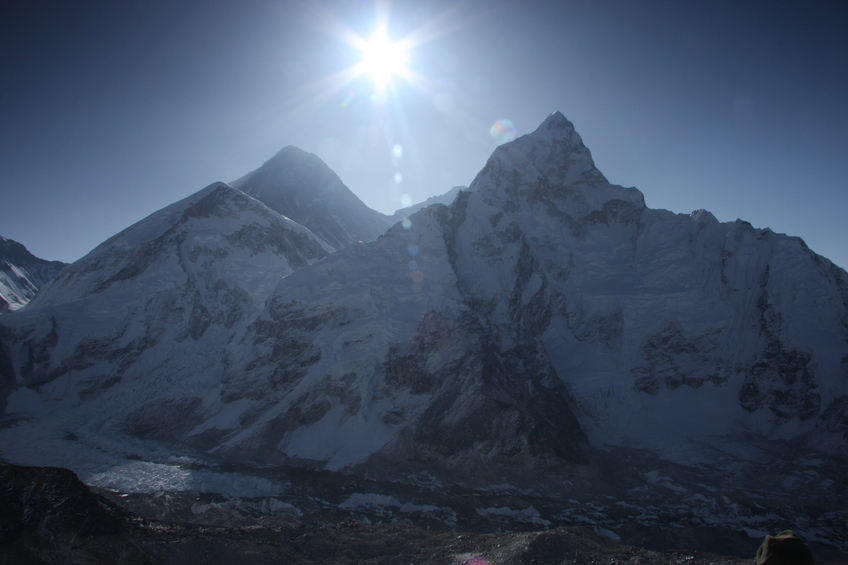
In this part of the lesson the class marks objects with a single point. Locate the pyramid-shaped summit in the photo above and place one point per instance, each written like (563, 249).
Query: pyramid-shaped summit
(300, 186)
(558, 132)
(550, 173)
(555, 150)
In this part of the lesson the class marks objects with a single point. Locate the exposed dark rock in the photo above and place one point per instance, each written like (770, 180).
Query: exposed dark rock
(165, 420)
(7, 375)
(47, 516)
(784, 378)
(671, 359)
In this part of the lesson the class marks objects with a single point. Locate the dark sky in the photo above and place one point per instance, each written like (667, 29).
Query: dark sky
(112, 110)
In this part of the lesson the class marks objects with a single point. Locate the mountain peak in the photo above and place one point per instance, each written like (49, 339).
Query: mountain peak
(300, 186)
(558, 130)
(556, 121)
(554, 150)
(291, 154)
(22, 274)
(283, 162)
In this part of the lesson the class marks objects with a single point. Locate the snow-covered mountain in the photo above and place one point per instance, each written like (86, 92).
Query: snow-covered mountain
(156, 301)
(541, 297)
(546, 335)
(445, 198)
(22, 274)
(302, 187)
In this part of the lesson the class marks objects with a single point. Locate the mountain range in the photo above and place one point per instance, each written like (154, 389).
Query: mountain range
(544, 346)
(22, 274)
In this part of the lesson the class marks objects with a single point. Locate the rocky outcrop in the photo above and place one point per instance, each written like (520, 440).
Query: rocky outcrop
(48, 517)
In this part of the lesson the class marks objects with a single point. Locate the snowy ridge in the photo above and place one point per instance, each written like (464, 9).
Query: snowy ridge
(22, 274)
(445, 199)
(666, 330)
(143, 319)
(198, 222)
(546, 330)
(301, 187)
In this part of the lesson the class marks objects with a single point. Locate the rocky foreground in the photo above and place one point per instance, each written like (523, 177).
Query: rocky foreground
(48, 516)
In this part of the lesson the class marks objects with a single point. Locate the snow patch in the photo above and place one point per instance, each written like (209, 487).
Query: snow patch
(529, 515)
(144, 476)
(363, 500)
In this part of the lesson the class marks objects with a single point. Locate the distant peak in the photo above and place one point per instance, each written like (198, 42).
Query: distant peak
(557, 126)
(10, 247)
(557, 131)
(291, 150)
(556, 121)
(290, 153)
(286, 160)
(553, 149)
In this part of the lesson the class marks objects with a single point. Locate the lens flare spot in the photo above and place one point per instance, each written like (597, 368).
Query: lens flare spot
(503, 131)
(407, 225)
(412, 250)
(413, 265)
(398, 178)
(417, 277)
(397, 151)
(348, 99)
(406, 200)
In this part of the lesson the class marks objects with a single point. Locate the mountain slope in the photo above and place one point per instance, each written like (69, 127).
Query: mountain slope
(657, 330)
(154, 303)
(545, 334)
(22, 274)
(300, 186)
(445, 198)
(375, 351)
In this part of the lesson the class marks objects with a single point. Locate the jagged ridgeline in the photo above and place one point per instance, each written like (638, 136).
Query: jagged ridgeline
(22, 274)
(545, 334)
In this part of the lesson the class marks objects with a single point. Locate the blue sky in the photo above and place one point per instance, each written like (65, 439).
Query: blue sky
(113, 110)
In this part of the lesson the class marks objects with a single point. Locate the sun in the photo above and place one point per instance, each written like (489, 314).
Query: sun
(382, 58)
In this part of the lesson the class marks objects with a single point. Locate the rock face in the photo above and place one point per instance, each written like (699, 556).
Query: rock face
(22, 274)
(300, 186)
(50, 503)
(545, 334)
